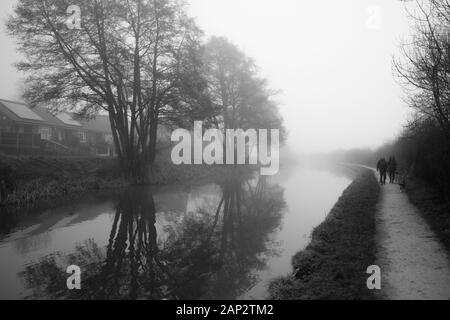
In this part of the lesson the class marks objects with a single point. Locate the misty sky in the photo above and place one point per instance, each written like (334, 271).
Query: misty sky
(330, 59)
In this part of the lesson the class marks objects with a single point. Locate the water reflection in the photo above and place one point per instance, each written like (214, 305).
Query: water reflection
(207, 253)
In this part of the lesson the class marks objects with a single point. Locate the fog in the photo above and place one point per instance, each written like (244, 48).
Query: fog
(330, 61)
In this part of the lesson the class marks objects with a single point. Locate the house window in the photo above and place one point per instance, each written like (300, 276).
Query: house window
(108, 138)
(45, 133)
(82, 136)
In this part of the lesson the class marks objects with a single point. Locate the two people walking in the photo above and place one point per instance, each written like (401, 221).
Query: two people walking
(387, 167)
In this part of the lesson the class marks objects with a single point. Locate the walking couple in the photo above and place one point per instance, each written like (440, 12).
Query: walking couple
(387, 167)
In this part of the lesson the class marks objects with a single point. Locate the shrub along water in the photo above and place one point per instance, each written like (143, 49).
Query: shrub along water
(26, 181)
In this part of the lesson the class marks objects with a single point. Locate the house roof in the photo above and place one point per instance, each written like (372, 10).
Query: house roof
(100, 123)
(49, 118)
(68, 119)
(19, 112)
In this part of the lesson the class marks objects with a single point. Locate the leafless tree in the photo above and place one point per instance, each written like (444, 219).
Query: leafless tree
(424, 65)
(128, 59)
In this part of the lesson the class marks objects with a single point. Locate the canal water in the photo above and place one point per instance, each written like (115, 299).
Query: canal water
(223, 240)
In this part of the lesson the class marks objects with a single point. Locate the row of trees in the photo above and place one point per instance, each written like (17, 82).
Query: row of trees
(144, 62)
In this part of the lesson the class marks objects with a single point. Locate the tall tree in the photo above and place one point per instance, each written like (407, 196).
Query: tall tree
(239, 95)
(128, 58)
(235, 87)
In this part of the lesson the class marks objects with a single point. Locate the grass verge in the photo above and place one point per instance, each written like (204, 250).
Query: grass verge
(28, 181)
(433, 208)
(334, 264)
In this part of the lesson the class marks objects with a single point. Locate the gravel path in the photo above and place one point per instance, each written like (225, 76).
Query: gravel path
(414, 264)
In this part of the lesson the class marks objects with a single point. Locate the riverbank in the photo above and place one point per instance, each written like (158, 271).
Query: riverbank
(432, 207)
(29, 181)
(333, 265)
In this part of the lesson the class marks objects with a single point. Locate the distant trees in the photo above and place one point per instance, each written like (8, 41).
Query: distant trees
(241, 98)
(141, 61)
(228, 91)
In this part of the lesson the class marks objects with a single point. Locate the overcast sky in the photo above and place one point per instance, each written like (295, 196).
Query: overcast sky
(330, 59)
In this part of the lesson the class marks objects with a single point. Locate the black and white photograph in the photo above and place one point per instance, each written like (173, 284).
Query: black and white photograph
(224, 158)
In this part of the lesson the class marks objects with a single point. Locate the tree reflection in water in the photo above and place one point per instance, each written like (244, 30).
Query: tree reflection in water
(210, 254)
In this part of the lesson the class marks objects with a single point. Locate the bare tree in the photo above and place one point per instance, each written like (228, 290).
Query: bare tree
(235, 88)
(424, 69)
(128, 59)
(424, 65)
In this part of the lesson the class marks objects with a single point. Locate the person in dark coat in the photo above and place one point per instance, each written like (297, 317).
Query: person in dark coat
(392, 169)
(382, 166)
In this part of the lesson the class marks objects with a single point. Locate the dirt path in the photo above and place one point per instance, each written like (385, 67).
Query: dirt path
(414, 265)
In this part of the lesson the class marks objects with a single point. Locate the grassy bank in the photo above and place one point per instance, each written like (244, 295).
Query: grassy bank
(27, 181)
(333, 265)
(433, 208)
